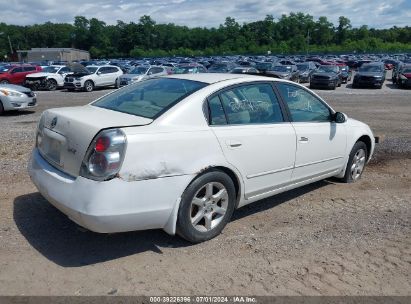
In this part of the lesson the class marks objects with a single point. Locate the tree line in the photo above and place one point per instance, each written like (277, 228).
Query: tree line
(292, 33)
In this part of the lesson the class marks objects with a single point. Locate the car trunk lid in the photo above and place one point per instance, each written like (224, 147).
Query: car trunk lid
(68, 132)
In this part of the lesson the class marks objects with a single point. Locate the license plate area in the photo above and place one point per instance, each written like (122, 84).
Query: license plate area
(50, 146)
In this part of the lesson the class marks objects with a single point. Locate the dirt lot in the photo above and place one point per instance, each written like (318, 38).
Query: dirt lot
(323, 239)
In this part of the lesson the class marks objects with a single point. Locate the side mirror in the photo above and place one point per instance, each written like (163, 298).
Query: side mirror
(340, 117)
(98, 73)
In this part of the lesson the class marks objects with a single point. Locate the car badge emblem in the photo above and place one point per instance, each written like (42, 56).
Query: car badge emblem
(53, 123)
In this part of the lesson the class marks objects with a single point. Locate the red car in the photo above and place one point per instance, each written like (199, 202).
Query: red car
(15, 74)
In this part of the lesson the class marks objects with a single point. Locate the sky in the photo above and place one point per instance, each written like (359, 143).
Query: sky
(205, 13)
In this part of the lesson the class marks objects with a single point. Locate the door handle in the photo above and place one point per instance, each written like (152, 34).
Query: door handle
(303, 139)
(234, 143)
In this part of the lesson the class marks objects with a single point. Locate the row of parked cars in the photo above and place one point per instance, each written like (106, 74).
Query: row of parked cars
(326, 72)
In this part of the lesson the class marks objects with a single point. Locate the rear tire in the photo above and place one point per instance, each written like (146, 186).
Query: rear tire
(4, 81)
(356, 162)
(206, 207)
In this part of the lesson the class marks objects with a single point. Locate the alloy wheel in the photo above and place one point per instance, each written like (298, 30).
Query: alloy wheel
(208, 206)
(358, 164)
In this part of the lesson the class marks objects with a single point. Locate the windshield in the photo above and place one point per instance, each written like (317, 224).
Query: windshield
(370, 68)
(185, 70)
(149, 98)
(263, 65)
(5, 68)
(92, 70)
(281, 68)
(50, 69)
(328, 69)
(302, 67)
(218, 67)
(139, 70)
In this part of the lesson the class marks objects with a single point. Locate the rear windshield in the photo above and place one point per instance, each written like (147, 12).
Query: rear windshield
(149, 98)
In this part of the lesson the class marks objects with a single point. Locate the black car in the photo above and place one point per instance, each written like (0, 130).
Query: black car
(326, 76)
(371, 75)
(264, 66)
(306, 69)
(288, 72)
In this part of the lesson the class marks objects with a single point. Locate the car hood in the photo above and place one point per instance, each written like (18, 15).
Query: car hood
(77, 68)
(329, 74)
(42, 74)
(13, 87)
(75, 127)
(408, 75)
(369, 74)
(279, 74)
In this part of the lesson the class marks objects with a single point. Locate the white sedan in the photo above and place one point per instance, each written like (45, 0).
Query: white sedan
(182, 152)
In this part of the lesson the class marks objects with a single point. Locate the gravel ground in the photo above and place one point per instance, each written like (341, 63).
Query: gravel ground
(323, 239)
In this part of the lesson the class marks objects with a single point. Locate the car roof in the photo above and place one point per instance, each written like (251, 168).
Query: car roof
(211, 78)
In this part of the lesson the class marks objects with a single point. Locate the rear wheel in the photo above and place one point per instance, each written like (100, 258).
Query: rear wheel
(206, 207)
(117, 84)
(4, 81)
(356, 162)
(1, 108)
(51, 85)
(88, 86)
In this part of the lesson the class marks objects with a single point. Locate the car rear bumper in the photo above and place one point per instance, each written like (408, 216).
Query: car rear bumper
(110, 206)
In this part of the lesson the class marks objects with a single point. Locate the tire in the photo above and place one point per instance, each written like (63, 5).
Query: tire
(117, 84)
(335, 85)
(339, 83)
(51, 84)
(356, 162)
(1, 108)
(311, 86)
(198, 220)
(4, 81)
(88, 86)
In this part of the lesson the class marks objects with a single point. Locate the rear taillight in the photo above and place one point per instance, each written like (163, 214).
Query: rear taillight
(105, 155)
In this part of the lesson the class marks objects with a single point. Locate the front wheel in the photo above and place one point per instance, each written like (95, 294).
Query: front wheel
(51, 85)
(356, 162)
(206, 207)
(1, 108)
(4, 81)
(88, 86)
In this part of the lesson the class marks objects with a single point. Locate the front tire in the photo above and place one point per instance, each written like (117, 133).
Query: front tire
(88, 86)
(356, 162)
(1, 108)
(206, 207)
(51, 85)
(4, 81)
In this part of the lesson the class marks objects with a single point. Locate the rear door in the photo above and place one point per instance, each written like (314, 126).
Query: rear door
(249, 124)
(321, 143)
(17, 75)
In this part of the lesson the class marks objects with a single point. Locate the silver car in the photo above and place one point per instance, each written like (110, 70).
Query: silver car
(140, 73)
(14, 97)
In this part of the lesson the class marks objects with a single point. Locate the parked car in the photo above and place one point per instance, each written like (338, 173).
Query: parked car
(140, 73)
(395, 70)
(264, 66)
(326, 76)
(346, 73)
(90, 77)
(244, 70)
(181, 152)
(186, 68)
(15, 74)
(306, 69)
(14, 97)
(50, 78)
(221, 67)
(370, 74)
(404, 76)
(287, 72)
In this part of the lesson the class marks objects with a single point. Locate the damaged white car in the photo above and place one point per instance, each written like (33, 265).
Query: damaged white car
(182, 152)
